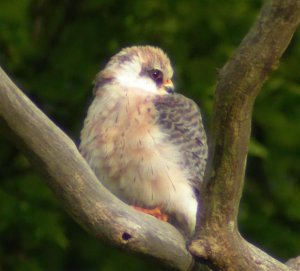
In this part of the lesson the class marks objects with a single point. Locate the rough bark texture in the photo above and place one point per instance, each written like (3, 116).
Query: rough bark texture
(294, 263)
(217, 238)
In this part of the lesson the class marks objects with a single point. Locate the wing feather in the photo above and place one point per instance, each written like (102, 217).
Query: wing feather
(181, 119)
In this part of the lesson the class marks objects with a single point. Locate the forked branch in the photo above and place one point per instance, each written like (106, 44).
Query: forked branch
(106, 217)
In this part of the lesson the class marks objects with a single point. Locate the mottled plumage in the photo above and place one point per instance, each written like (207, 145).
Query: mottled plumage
(180, 118)
(145, 143)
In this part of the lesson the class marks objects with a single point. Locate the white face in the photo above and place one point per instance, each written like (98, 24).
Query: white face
(128, 76)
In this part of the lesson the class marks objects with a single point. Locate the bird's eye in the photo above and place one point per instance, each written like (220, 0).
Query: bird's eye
(156, 75)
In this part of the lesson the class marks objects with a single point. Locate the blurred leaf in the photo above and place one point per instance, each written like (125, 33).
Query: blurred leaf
(257, 149)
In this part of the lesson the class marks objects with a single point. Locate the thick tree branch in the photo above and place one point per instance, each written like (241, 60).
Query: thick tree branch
(78, 189)
(217, 238)
(294, 263)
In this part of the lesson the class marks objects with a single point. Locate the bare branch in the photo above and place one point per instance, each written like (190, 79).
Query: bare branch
(78, 189)
(294, 263)
(240, 80)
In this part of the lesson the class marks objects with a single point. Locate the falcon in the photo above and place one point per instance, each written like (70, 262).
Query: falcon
(144, 142)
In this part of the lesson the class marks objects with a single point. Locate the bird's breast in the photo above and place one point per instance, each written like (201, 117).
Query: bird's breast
(120, 138)
(132, 156)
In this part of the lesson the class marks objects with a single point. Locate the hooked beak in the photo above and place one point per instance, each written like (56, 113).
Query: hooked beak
(168, 86)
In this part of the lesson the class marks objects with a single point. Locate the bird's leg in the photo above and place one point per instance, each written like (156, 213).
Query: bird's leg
(156, 212)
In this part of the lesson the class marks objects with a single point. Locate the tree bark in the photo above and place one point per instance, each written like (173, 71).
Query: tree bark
(217, 240)
(240, 80)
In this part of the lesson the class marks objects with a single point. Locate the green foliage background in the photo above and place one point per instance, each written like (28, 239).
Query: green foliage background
(53, 49)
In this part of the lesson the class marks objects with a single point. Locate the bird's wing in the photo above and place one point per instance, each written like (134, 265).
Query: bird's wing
(180, 118)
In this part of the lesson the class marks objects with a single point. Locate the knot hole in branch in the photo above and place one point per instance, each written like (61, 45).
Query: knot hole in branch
(126, 236)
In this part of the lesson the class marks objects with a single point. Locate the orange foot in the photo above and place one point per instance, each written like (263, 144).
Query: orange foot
(156, 212)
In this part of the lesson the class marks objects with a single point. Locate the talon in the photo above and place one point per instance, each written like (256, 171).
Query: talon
(156, 212)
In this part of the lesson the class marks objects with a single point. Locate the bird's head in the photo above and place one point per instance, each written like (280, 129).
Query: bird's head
(142, 68)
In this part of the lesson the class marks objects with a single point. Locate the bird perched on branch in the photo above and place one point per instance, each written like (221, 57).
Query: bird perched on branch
(145, 143)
